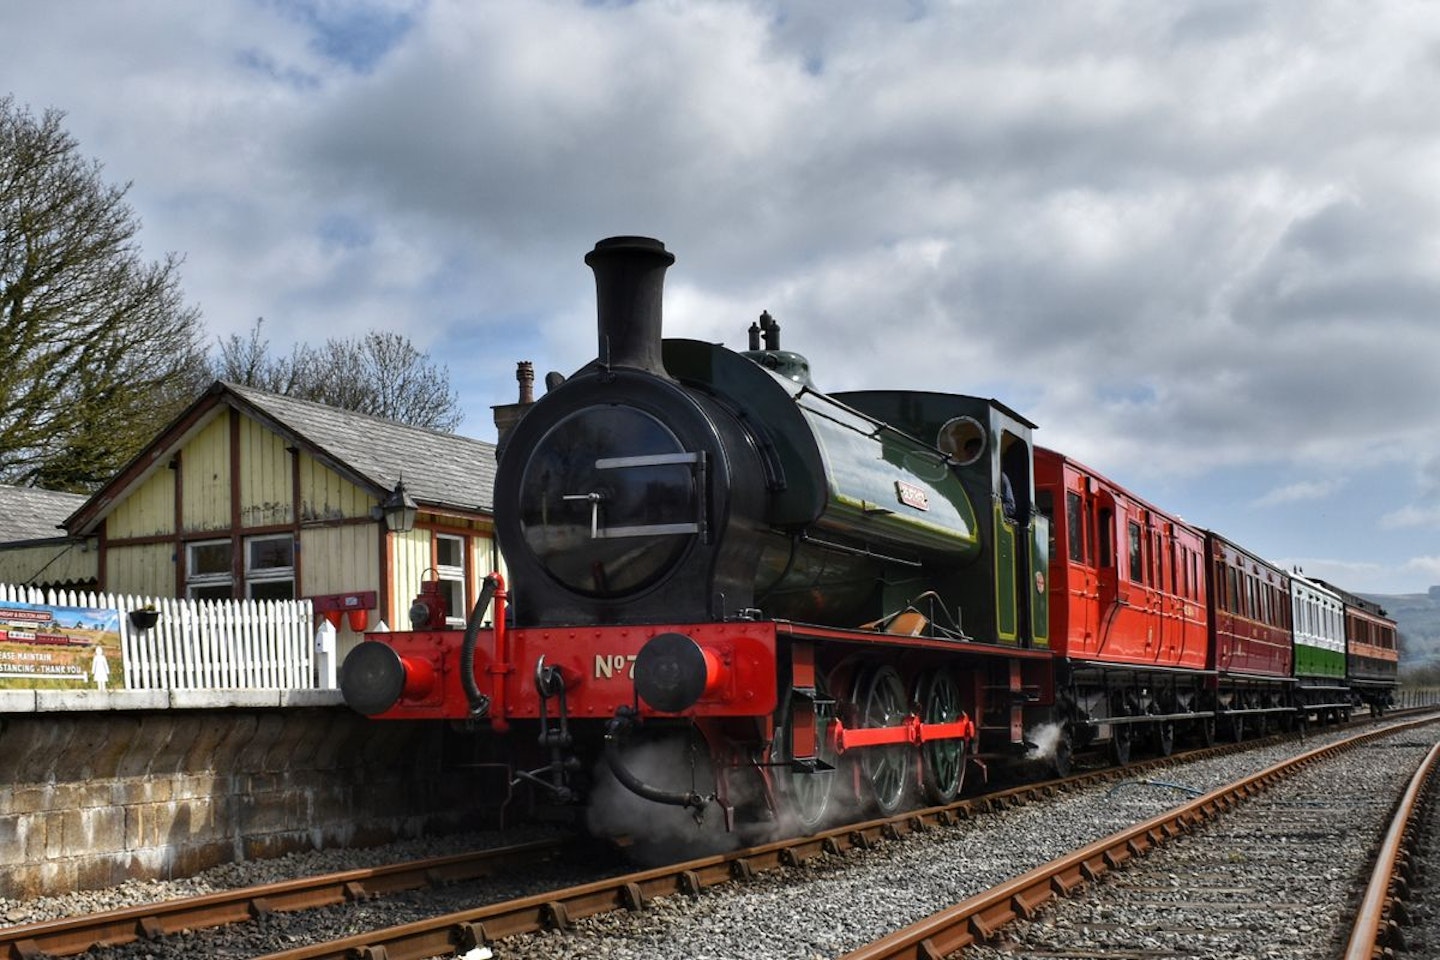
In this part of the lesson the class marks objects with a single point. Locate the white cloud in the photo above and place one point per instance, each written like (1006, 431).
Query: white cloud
(1300, 492)
(1194, 241)
(1413, 515)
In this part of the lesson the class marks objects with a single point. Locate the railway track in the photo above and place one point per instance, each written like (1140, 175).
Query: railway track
(153, 921)
(549, 911)
(1386, 906)
(156, 921)
(1186, 884)
(535, 920)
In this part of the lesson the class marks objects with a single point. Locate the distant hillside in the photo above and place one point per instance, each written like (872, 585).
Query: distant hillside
(1418, 617)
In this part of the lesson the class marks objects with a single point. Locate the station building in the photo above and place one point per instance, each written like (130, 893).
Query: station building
(247, 494)
(254, 495)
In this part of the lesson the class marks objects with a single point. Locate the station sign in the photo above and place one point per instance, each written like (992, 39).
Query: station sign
(52, 647)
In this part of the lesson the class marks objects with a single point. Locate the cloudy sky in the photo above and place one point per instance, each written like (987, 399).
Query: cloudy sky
(1198, 243)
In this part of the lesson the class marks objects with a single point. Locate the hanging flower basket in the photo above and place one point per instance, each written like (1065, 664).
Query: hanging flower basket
(144, 618)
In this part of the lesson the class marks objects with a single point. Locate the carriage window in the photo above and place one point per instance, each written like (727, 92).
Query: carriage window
(1075, 526)
(1136, 573)
(1107, 538)
(1155, 562)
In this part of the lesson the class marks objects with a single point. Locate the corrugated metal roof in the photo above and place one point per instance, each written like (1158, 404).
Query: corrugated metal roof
(439, 469)
(29, 513)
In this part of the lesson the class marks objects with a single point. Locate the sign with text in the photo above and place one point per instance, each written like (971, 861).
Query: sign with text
(50, 648)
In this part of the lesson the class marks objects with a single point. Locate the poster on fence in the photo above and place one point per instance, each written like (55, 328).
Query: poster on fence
(54, 648)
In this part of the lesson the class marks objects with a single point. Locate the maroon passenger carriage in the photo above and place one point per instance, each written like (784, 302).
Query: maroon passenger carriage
(1252, 642)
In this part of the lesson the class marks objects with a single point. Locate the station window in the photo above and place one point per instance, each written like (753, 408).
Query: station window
(209, 572)
(269, 571)
(270, 568)
(450, 571)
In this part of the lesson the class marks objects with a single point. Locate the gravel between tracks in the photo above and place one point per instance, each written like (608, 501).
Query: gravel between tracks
(837, 904)
(829, 906)
(1275, 878)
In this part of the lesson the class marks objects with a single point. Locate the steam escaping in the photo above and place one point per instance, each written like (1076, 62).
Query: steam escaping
(655, 832)
(1043, 740)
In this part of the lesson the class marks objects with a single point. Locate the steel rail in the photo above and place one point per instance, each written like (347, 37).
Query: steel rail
(462, 931)
(76, 935)
(978, 918)
(1375, 933)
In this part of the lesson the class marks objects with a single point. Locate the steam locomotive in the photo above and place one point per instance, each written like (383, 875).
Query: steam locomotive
(754, 604)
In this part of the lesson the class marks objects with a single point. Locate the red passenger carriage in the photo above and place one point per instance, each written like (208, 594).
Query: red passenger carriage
(1128, 609)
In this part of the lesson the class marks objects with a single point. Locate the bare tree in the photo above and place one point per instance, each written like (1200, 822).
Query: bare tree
(380, 373)
(99, 348)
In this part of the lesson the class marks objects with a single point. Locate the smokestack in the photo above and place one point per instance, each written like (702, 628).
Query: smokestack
(629, 284)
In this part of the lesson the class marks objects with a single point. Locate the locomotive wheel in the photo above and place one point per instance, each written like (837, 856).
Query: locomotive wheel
(805, 796)
(942, 762)
(886, 770)
(1235, 727)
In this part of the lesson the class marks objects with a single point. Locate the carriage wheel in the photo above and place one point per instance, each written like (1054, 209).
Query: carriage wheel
(1206, 729)
(1063, 760)
(805, 795)
(1122, 738)
(942, 762)
(1165, 737)
(887, 770)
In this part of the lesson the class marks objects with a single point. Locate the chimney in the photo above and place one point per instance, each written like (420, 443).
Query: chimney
(508, 414)
(629, 287)
(525, 375)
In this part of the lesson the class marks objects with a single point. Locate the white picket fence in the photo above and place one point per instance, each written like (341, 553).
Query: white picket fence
(203, 644)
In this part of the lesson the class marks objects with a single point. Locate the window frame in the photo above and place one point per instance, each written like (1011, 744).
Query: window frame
(266, 576)
(202, 586)
(452, 577)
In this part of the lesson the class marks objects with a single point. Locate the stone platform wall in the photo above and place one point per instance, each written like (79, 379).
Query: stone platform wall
(88, 800)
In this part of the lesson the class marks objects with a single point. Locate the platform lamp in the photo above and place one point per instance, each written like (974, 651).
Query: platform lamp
(399, 509)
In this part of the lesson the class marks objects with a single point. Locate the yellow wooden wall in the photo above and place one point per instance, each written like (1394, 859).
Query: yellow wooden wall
(266, 491)
(325, 495)
(142, 570)
(68, 562)
(413, 559)
(205, 479)
(147, 511)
